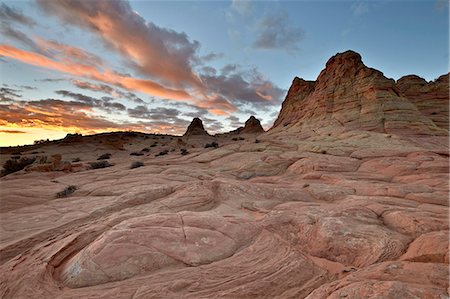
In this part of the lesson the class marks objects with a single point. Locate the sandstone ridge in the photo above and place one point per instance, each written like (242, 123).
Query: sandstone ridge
(353, 96)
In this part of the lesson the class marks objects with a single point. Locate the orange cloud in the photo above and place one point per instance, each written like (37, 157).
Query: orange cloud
(91, 72)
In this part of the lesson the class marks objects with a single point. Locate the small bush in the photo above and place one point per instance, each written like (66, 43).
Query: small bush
(145, 149)
(14, 165)
(324, 152)
(76, 160)
(212, 144)
(234, 139)
(101, 164)
(162, 153)
(154, 144)
(104, 156)
(241, 138)
(257, 141)
(184, 152)
(66, 192)
(136, 164)
(136, 154)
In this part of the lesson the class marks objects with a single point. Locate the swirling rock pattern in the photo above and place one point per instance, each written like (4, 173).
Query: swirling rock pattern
(357, 209)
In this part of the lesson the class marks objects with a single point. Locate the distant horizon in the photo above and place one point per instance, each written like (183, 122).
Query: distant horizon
(69, 67)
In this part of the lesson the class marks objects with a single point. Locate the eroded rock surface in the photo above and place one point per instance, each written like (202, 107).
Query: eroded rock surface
(348, 207)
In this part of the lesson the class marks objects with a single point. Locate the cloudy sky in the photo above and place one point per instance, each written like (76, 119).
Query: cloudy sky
(92, 66)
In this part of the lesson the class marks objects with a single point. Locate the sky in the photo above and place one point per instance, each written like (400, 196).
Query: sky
(83, 66)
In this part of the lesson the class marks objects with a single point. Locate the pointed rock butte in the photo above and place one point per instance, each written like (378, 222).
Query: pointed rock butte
(252, 125)
(196, 128)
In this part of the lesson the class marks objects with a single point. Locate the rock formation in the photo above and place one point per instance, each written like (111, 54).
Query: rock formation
(430, 98)
(349, 94)
(196, 128)
(252, 126)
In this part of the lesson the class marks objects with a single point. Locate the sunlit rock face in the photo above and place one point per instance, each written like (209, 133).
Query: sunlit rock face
(349, 94)
(345, 197)
(430, 98)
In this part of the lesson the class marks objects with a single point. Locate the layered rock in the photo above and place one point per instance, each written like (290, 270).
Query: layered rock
(430, 98)
(196, 128)
(352, 95)
(252, 125)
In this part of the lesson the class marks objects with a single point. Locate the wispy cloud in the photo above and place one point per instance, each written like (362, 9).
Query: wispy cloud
(12, 132)
(275, 33)
(10, 14)
(359, 8)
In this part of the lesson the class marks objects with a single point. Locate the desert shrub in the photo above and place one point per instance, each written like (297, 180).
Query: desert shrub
(145, 149)
(104, 156)
(154, 144)
(234, 139)
(162, 153)
(257, 141)
(136, 164)
(184, 152)
(76, 160)
(241, 138)
(66, 192)
(14, 165)
(136, 154)
(212, 144)
(100, 164)
(324, 152)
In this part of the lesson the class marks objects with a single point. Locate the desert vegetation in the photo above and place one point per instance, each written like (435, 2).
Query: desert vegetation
(16, 164)
(100, 164)
(105, 156)
(66, 192)
(136, 164)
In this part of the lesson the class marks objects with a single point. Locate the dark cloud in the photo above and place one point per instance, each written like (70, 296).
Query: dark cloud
(13, 15)
(18, 36)
(275, 33)
(105, 103)
(210, 57)
(234, 121)
(9, 94)
(240, 90)
(50, 80)
(107, 89)
(114, 106)
(77, 96)
(159, 113)
(12, 132)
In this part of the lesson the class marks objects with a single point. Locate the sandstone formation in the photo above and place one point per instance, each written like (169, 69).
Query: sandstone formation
(354, 96)
(252, 126)
(430, 98)
(196, 128)
(333, 202)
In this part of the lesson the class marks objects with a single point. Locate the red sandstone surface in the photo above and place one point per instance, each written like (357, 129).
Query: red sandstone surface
(345, 197)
